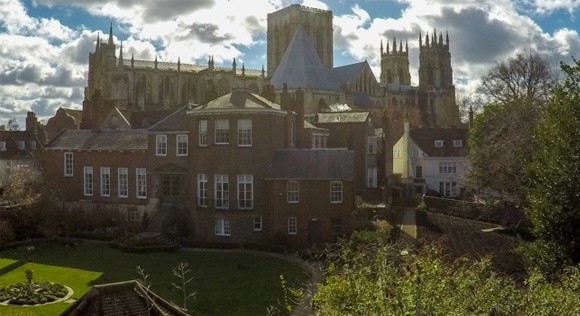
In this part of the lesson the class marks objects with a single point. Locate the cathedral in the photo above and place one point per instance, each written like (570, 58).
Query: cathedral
(299, 56)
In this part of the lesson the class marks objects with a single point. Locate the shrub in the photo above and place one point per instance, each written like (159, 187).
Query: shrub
(6, 232)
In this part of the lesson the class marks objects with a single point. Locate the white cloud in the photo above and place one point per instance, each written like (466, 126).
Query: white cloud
(480, 34)
(43, 63)
(546, 6)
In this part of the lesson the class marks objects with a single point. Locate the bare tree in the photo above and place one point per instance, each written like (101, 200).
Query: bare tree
(24, 186)
(467, 103)
(527, 76)
(501, 140)
(180, 272)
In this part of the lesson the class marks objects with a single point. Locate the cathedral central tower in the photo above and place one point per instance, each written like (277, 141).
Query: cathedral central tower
(283, 23)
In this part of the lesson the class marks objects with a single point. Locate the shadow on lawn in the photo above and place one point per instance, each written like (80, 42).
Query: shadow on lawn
(11, 267)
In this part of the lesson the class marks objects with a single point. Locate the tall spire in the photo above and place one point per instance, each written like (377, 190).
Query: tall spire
(394, 44)
(420, 39)
(381, 47)
(263, 71)
(388, 48)
(132, 60)
(447, 38)
(441, 38)
(427, 39)
(406, 46)
(155, 61)
(434, 39)
(120, 62)
(111, 34)
(178, 63)
(400, 46)
(98, 45)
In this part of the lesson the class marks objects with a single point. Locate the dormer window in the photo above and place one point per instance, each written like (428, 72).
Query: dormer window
(2, 146)
(438, 143)
(457, 143)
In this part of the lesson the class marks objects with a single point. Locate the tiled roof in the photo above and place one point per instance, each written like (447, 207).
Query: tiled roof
(115, 140)
(425, 139)
(301, 67)
(312, 164)
(239, 98)
(122, 298)
(176, 121)
(342, 117)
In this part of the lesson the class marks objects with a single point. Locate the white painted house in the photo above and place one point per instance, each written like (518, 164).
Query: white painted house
(431, 159)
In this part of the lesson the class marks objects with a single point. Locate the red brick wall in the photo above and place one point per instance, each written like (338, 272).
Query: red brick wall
(314, 203)
(72, 188)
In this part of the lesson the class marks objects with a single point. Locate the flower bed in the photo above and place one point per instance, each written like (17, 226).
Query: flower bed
(33, 293)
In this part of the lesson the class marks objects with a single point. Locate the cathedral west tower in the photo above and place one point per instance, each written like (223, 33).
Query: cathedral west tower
(395, 64)
(436, 88)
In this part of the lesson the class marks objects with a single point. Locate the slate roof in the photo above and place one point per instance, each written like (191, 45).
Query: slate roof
(347, 73)
(239, 98)
(425, 139)
(176, 121)
(301, 67)
(315, 164)
(114, 140)
(13, 152)
(116, 120)
(362, 99)
(123, 298)
(76, 114)
(145, 119)
(342, 117)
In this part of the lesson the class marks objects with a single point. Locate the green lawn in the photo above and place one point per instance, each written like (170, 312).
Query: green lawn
(239, 283)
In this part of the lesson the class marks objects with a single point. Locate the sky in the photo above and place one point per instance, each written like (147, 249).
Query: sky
(45, 44)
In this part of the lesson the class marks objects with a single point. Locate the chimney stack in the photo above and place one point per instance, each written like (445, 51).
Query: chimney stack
(299, 108)
(97, 108)
(31, 124)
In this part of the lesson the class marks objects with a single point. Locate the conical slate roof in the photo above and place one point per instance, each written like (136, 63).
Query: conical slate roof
(301, 67)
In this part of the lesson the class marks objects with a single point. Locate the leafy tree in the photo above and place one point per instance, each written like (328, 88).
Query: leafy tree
(554, 196)
(379, 279)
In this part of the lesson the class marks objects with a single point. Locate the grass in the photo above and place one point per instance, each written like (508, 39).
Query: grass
(227, 283)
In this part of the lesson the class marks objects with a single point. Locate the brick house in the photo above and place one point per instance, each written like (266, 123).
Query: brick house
(235, 137)
(311, 195)
(215, 162)
(21, 148)
(100, 169)
(218, 166)
(356, 131)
